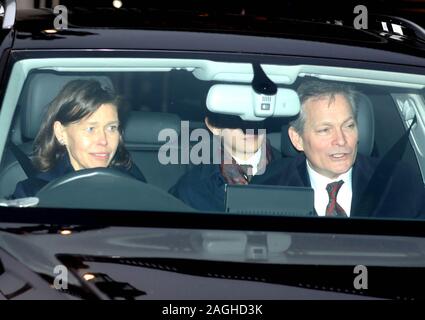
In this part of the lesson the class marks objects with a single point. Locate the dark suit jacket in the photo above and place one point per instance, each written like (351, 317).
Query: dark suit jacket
(30, 186)
(203, 187)
(403, 196)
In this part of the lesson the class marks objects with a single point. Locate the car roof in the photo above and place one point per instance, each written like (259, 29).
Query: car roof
(196, 30)
(31, 34)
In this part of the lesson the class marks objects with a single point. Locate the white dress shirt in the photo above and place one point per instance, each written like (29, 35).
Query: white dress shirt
(321, 197)
(254, 161)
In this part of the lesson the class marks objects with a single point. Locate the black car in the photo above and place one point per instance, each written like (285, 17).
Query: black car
(99, 233)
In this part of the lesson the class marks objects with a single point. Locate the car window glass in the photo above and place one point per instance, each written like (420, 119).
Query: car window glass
(178, 146)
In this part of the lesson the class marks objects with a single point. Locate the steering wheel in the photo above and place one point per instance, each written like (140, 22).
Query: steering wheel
(107, 188)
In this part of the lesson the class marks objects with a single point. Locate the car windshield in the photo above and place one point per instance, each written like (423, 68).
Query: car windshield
(211, 134)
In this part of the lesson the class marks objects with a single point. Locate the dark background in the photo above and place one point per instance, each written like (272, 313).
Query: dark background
(322, 9)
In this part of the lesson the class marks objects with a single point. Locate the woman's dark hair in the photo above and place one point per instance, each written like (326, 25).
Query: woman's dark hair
(77, 99)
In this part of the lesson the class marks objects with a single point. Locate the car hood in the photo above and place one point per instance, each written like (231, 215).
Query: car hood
(164, 263)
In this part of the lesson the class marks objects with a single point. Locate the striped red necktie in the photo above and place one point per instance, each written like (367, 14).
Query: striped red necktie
(333, 209)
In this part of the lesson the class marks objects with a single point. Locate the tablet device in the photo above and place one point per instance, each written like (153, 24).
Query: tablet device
(270, 200)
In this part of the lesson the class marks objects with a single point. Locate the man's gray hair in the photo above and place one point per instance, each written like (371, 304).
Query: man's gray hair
(318, 89)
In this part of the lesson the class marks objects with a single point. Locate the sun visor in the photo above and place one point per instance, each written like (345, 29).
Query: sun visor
(243, 101)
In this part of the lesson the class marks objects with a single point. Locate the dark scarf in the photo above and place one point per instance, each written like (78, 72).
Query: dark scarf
(234, 173)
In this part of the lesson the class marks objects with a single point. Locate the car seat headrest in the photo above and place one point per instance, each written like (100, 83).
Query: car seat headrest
(365, 124)
(144, 127)
(40, 89)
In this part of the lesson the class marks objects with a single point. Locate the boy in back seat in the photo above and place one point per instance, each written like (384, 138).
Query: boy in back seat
(239, 152)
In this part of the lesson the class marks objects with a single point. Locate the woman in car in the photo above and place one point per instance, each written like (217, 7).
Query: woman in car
(242, 152)
(81, 131)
